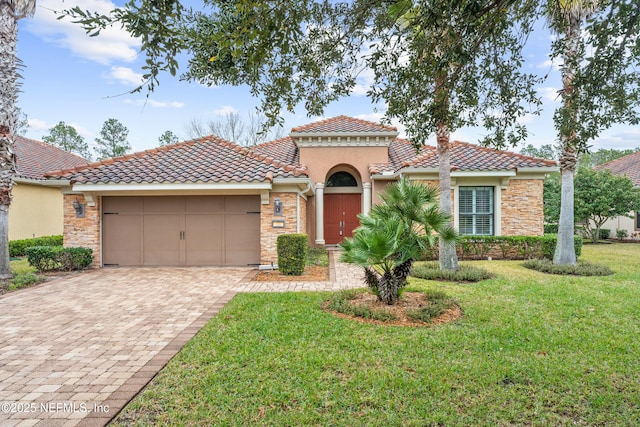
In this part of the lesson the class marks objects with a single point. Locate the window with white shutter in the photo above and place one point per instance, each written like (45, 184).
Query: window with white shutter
(476, 213)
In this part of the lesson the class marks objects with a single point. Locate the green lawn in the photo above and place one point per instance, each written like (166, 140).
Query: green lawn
(531, 349)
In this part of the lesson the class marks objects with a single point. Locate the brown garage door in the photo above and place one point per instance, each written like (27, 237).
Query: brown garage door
(190, 230)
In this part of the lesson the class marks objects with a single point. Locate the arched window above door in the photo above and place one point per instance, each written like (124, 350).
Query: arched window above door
(342, 179)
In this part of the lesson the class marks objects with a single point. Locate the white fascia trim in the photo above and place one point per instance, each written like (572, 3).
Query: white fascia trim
(545, 169)
(44, 182)
(105, 188)
(345, 135)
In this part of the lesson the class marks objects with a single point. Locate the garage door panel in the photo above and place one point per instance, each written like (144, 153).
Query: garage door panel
(242, 239)
(203, 240)
(161, 239)
(163, 204)
(122, 205)
(122, 239)
(182, 230)
(205, 204)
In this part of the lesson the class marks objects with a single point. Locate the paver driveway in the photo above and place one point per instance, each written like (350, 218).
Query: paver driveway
(75, 350)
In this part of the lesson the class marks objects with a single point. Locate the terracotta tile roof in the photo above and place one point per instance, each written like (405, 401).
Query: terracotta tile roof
(283, 149)
(343, 124)
(628, 165)
(35, 158)
(208, 159)
(471, 157)
(400, 152)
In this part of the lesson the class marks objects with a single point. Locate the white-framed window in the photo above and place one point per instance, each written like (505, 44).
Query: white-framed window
(476, 211)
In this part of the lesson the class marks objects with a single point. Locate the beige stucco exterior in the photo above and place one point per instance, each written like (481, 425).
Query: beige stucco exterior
(35, 211)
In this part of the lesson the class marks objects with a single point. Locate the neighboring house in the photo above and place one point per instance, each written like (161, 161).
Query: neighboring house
(628, 166)
(36, 206)
(212, 202)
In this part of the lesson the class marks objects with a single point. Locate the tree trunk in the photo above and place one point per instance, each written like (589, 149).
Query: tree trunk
(447, 251)
(8, 100)
(565, 250)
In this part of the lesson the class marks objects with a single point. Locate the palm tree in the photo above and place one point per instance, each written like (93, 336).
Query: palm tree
(10, 12)
(566, 18)
(394, 234)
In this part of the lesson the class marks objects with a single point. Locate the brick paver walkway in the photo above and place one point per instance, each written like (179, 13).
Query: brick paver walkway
(75, 350)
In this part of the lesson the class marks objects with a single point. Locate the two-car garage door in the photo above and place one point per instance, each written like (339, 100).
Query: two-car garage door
(184, 230)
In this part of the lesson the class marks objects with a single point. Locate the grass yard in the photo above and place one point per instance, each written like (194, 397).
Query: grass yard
(531, 349)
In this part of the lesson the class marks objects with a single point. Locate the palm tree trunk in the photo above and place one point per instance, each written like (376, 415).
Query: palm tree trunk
(565, 251)
(447, 251)
(8, 99)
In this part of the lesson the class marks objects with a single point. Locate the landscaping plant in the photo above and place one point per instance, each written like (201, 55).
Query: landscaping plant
(394, 234)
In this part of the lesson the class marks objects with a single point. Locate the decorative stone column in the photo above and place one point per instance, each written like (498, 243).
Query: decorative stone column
(319, 213)
(366, 198)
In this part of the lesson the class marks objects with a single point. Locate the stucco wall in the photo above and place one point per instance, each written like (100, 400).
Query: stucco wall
(35, 211)
(269, 234)
(320, 160)
(84, 232)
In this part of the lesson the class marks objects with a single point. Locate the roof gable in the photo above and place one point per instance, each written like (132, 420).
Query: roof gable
(35, 158)
(342, 124)
(628, 166)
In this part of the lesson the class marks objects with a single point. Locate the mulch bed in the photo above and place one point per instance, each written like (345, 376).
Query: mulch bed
(408, 301)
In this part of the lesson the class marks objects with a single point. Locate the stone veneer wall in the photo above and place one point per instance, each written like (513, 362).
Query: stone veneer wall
(84, 232)
(522, 208)
(268, 234)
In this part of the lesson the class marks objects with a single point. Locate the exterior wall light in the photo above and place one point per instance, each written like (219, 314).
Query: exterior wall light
(79, 208)
(277, 207)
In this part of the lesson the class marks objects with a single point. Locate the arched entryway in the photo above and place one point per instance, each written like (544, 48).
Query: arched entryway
(342, 204)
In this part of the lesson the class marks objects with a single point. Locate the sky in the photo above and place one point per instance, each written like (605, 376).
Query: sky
(83, 81)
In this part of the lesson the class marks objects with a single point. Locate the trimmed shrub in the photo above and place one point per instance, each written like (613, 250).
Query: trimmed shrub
(75, 258)
(605, 233)
(47, 258)
(505, 247)
(17, 247)
(292, 253)
(580, 269)
(466, 273)
(621, 233)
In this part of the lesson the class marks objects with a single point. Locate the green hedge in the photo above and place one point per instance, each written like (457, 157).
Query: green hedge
(292, 253)
(17, 247)
(506, 247)
(47, 258)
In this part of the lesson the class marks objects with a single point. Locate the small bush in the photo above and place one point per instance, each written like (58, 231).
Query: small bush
(439, 302)
(17, 247)
(47, 258)
(292, 253)
(581, 269)
(621, 233)
(75, 258)
(466, 273)
(605, 233)
(23, 280)
(43, 258)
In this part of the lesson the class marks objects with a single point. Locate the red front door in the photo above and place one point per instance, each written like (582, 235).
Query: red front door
(340, 216)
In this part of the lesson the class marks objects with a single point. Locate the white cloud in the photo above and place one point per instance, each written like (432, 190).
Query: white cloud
(549, 93)
(112, 44)
(37, 124)
(156, 104)
(223, 111)
(553, 64)
(124, 75)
